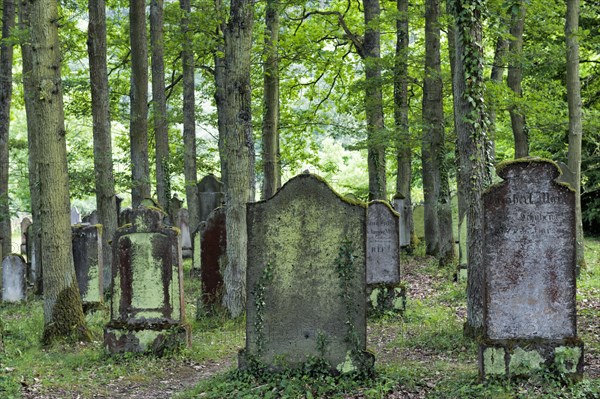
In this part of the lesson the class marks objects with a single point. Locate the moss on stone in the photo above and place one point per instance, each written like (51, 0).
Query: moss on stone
(524, 362)
(566, 359)
(493, 361)
(68, 320)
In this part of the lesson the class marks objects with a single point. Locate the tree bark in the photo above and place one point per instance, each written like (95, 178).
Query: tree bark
(374, 102)
(63, 313)
(138, 128)
(270, 130)
(103, 164)
(515, 76)
(159, 105)
(189, 117)
(469, 116)
(575, 122)
(220, 89)
(496, 76)
(403, 138)
(6, 61)
(239, 149)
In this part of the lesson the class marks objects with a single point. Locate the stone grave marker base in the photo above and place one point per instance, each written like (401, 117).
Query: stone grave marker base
(384, 298)
(156, 337)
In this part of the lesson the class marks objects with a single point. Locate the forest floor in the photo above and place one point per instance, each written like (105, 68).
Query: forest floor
(419, 354)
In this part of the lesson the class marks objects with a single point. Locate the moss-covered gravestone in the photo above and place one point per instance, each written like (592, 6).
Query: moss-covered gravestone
(14, 283)
(306, 279)
(213, 258)
(529, 258)
(147, 307)
(89, 268)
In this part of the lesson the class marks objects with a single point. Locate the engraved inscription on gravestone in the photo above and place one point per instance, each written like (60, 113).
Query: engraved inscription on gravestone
(383, 244)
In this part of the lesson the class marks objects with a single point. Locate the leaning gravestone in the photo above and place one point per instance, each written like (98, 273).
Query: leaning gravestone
(402, 206)
(183, 222)
(14, 283)
(383, 258)
(210, 196)
(147, 307)
(213, 258)
(87, 257)
(25, 223)
(306, 279)
(529, 258)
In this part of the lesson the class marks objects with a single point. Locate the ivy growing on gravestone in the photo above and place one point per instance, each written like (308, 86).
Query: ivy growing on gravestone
(259, 302)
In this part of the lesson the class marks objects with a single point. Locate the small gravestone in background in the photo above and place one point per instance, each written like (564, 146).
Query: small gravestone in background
(306, 279)
(14, 282)
(87, 257)
(529, 256)
(125, 216)
(92, 218)
(25, 223)
(402, 207)
(75, 215)
(147, 306)
(210, 196)
(383, 258)
(213, 259)
(196, 251)
(34, 260)
(174, 207)
(183, 222)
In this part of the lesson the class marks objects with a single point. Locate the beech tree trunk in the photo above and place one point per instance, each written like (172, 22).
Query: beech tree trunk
(575, 123)
(189, 117)
(159, 106)
(138, 128)
(103, 164)
(403, 139)
(63, 313)
(515, 76)
(374, 102)
(6, 61)
(496, 76)
(220, 90)
(239, 149)
(270, 129)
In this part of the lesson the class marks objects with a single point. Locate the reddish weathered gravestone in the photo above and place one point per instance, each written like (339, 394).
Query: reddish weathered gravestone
(213, 258)
(529, 259)
(147, 306)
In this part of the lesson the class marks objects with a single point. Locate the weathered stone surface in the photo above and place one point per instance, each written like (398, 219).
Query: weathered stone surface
(125, 216)
(210, 195)
(87, 256)
(401, 206)
(25, 223)
(14, 283)
(34, 265)
(213, 258)
(383, 244)
(75, 215)
(306, 279)
(92, 218)
(183, 222)
(174, 206)
(147, 307)
(529, 258)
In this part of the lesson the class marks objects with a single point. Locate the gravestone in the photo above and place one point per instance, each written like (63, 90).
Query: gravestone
(25, 223)
(383, 259)
(92, 218)
(210, 195)
(529, 258)
(402, 206)
(14, 282)
(306, 279)
(75, 215)
(125, 216)
(174, 207)
(147, 306)
(89, 265)
(34, 260)
(183, 222)
(213, 258)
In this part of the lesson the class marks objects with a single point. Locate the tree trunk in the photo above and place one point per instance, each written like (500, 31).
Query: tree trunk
(6, 61)
(239, 149)
(469, 115)
(496, 76)
(103, 164)
(270, 132)
(403, 139)
(575, 123)
(189, 117)
(220, 90)
(159, 105)
(63, 313)
(515, 75)
(374, 102)
(138, 125)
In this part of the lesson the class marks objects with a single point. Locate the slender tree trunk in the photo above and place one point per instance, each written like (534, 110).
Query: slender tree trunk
(138, 128)
(469, 115)
(239, 149)
(403, 139)
(159, 105)
(575, 123)
(6, 60)
(63, 313)
(32, 137)
(103, 164)
(496, 76)
(270, 132)
(515, 75)
(374, 102)
(189, 117)
(220, 89)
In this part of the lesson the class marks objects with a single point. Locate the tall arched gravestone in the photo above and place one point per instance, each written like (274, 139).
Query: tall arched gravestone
(529, 259)
(213, 258)
(306, 279)
(147, 306)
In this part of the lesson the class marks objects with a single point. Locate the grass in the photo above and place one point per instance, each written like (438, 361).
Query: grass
(422, 351)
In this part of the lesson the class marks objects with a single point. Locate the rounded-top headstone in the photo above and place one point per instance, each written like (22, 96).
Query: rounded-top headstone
(14, 283)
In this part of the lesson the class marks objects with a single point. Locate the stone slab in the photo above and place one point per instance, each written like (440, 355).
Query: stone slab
(383, 244)
(210, 196)
(213, 258)
(89, 264)
(14, 282)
